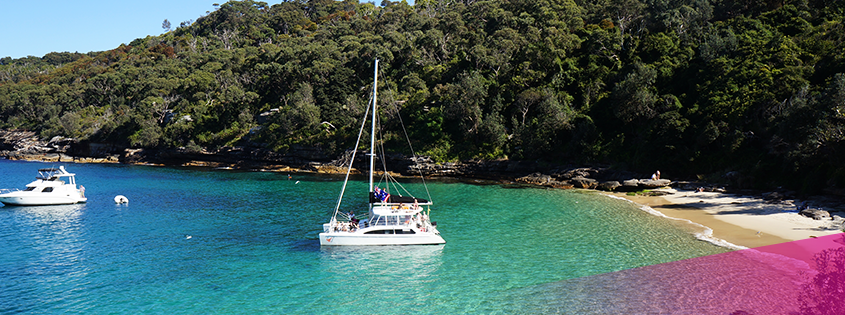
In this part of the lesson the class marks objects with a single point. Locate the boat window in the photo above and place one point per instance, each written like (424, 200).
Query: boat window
(47, 189)
(391, 232)
(380, 232)
(30, 189)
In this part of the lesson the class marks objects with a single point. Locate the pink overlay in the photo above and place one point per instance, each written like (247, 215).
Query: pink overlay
(801, 277)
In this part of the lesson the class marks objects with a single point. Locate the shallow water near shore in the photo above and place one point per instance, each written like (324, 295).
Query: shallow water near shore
(218, 241)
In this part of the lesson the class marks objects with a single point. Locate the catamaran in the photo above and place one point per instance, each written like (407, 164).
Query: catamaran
(392, 219)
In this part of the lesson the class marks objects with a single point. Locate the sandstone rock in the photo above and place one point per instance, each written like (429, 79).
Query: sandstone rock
(560, 185)
(654, 183)
(609, 185)
(535, 179)
(816, 214)
(631, 183)
(586, 183)
(582, 172)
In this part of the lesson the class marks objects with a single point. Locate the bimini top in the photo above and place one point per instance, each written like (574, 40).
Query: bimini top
(52, 173)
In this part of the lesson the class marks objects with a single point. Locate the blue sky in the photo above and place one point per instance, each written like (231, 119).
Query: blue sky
(35, 28)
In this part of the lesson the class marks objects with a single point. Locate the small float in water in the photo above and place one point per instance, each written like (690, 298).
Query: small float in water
(121, 199)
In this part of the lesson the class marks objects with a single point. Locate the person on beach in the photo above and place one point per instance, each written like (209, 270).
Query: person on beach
(804, 206)
(655, 176)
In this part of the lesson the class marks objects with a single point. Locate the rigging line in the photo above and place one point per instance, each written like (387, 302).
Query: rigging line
(352, 160)
(389, 180)
(410, 146)
(381, 148)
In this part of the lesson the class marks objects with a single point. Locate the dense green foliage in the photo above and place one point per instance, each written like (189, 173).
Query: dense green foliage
(687, 86)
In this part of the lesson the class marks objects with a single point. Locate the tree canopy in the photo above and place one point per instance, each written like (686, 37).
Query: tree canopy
(692, 87)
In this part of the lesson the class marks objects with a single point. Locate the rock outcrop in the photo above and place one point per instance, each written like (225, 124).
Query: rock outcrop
(816, 214)
(26, 145)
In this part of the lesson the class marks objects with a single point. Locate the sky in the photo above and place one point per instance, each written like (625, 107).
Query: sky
(35, 28)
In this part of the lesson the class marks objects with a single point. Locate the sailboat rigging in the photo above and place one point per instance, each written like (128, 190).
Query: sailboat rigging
(390, 219)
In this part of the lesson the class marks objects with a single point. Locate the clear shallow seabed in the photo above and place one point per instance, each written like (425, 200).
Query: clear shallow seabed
(218, 241)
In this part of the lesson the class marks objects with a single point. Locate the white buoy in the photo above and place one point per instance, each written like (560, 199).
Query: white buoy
(119, 199)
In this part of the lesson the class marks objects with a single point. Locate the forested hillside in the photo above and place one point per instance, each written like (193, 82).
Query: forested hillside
(686, 86)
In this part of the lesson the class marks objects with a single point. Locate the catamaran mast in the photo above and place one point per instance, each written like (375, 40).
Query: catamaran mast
(373, 131)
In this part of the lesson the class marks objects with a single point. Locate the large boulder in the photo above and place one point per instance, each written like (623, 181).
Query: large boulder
(654, 183)
(583, 182)
(629, 185)
(581, 172)
(816, 214)
(609, 185)
(535, 179)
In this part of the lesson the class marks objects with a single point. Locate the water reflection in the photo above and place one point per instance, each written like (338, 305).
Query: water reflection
(391, 272)
(44, 258)
(62, 214)
(397, 259)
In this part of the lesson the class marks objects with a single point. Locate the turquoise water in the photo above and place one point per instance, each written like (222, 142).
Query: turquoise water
(216, 241)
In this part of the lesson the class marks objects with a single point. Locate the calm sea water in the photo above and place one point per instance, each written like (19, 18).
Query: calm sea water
(216, 241)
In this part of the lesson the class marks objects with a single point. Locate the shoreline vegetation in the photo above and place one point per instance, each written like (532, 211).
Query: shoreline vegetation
(743, 94)
(732, 219)
(693, 88)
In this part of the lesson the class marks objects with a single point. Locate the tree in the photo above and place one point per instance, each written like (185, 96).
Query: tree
(824, 294)
(704, 85)
(635, 96)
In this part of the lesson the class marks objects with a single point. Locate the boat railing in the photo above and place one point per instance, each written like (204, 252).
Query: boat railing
(6, 190)
(419, 221)
(401, 204)
(344, 227)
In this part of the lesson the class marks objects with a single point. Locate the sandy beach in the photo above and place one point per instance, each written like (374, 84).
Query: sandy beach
(744, 221)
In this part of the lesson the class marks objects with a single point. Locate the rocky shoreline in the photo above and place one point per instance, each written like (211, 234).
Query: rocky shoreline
(26, 145)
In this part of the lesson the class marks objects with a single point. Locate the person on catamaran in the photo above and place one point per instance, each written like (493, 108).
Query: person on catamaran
(353, 219)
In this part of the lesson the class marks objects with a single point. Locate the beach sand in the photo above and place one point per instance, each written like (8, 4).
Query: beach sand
(745, 221)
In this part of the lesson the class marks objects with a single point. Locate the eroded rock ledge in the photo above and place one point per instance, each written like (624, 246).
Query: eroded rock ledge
(26, 145)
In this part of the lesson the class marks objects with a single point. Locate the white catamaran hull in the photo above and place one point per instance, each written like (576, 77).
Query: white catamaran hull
(346, 238)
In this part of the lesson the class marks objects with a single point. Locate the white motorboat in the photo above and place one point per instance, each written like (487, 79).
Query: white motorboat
(52, 186)
(392, 219)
